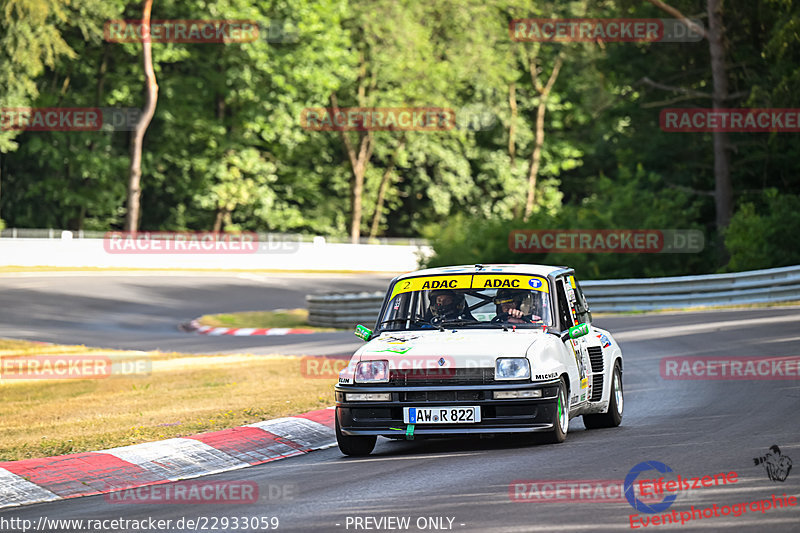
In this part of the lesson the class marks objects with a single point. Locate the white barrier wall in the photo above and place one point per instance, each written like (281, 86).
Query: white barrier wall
(318, 255)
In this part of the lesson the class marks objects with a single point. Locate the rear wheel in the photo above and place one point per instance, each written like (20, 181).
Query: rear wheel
(613, 417)
(354, 445)
(560, 418)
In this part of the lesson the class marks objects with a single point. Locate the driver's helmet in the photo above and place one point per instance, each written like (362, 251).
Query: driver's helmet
(521, 298)
(447, 303)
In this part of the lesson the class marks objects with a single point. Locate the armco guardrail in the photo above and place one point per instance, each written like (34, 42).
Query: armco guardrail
(758, 286)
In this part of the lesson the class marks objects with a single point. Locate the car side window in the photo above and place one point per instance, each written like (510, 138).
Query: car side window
(581, 305)
(564, 312)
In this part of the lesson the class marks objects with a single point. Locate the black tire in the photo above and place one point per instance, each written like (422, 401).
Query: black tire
(354, 446)
(613, 417)
(560, 418)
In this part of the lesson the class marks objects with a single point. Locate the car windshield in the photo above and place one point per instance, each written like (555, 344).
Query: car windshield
(468, 301)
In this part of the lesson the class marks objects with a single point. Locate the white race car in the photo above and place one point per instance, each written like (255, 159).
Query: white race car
(491, 349)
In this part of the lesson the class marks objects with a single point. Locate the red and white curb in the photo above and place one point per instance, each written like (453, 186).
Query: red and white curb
(84, 474)
(195, 326)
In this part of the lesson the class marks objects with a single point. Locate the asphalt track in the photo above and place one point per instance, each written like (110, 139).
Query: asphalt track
(142, 311)
(696, 427)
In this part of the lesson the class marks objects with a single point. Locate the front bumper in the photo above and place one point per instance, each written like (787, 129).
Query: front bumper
(524, 415)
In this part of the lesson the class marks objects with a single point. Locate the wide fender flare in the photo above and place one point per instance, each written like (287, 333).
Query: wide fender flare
(550, 358)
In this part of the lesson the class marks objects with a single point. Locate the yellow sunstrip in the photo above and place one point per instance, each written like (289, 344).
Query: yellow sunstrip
(432, 282)
(471, 281)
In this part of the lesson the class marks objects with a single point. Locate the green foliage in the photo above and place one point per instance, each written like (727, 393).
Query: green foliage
(226, 144)
(765, 234)
(628, 203)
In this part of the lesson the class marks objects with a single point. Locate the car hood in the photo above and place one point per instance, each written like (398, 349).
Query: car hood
(450, 348)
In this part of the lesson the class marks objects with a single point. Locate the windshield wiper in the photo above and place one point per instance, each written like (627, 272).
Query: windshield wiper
(456, 322)
(414, 321)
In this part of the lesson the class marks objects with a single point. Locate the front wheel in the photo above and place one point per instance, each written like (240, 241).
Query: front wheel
(613, 417)
(560, 418)
(354, 445)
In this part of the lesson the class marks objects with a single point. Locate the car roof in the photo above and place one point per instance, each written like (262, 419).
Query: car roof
(536, 270)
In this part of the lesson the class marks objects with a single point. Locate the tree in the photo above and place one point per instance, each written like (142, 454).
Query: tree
(151, 97)
(723, 190)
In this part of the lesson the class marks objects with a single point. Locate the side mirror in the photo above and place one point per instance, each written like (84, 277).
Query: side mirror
(575, 332)
(363, 332)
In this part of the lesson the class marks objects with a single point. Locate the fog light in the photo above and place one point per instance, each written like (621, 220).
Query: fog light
(508, 394)
(369, 397)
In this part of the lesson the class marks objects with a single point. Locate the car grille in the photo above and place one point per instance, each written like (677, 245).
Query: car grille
(441, 376)
(444, 396)
(597, 388)
(596, 358)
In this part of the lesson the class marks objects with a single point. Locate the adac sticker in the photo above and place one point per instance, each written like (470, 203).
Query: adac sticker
(508, 281)
(572, 282)
(470, 281)
(584, 383)
(432, 282)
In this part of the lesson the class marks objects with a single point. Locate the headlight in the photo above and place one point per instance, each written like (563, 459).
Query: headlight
(372, 372)
(512, 368)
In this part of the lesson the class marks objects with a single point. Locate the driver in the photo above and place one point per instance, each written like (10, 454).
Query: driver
(447, 304)
(515, 306)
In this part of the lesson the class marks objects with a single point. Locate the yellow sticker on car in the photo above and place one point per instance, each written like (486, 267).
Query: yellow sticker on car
(427, 283)
(470, 281)
(572, 282)
(508, 281)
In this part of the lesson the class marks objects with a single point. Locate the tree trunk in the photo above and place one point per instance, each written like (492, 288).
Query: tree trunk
(218, 220)
(358, 162)
(385, 181)
(723, 190)
(512, 126)
(723, 198)
(135, 173)
(544, 93)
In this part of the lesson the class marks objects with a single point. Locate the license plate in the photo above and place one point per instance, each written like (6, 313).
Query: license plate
(441, 415)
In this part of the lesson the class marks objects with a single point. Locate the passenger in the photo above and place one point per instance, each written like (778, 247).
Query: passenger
(515, 306)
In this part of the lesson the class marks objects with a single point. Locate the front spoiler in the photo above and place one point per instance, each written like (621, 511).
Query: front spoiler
(450, 432)
(385, 418)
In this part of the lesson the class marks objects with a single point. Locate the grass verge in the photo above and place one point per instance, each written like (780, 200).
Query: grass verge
(284, 318)
(181, 395)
